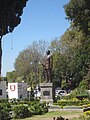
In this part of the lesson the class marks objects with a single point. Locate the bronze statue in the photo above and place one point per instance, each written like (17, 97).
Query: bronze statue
(48, 64)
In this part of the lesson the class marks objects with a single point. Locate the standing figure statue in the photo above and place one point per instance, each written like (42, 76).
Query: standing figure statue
(47, 66)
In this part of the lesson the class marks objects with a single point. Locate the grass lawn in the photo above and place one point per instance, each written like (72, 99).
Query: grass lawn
(71, 115)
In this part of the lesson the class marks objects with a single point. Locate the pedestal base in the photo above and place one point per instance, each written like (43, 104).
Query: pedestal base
(46, 92)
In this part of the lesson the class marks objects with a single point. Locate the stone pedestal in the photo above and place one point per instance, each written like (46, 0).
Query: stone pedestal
(46, 92)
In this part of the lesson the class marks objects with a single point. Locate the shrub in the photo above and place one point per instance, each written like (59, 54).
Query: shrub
(39, 108)
(31, 110)
(81, 96)
(5, 109)
(45, 107)
(84, 117)
(71, 102)
(28, 109)
(87, 113)
(87, 105)
(20, 111)
(68, 103)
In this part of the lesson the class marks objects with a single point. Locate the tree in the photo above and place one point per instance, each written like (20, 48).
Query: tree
(77, 55)
(11, 76)
(59, 67)
(70, 59)
(78, 12)
(28, 64)
(10, 17)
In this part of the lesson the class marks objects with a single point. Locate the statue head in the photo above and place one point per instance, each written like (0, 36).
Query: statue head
(48, 52)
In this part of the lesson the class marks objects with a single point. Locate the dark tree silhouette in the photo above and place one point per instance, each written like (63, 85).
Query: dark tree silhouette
(10, 17)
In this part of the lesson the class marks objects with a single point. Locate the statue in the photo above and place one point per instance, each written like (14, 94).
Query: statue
(47, 66)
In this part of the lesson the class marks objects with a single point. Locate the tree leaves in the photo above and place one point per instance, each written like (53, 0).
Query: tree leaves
(29, 62)
(78, 11)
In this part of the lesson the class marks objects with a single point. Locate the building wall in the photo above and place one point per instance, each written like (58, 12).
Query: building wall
(22, 90)
(3, 89)
(13, 90)
(17, 90)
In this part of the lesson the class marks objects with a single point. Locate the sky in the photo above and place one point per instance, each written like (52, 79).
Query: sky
(41, 19)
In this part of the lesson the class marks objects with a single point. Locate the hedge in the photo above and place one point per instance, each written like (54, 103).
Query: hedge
(71, 102)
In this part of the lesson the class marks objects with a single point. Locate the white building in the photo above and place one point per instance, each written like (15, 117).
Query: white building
(3, 89)
(17, 90)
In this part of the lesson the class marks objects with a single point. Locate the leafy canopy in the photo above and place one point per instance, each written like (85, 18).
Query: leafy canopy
(78, 11)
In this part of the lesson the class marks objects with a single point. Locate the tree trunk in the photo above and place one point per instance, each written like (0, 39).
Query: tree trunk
(0, 56)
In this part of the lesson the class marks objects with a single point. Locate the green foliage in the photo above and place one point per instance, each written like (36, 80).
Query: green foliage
(87, 113)
(68, 103)
(21, 111)
(71, 62)
(5, 109)
(28, 64)
(83, 85)
(81, 96)
(31, 110)
(86, 106)
(79, 92)
(86, 80)
(72, 102)
(26, 109)
(84, 117)
(11, 76)
(40, 108)
(78, 11)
